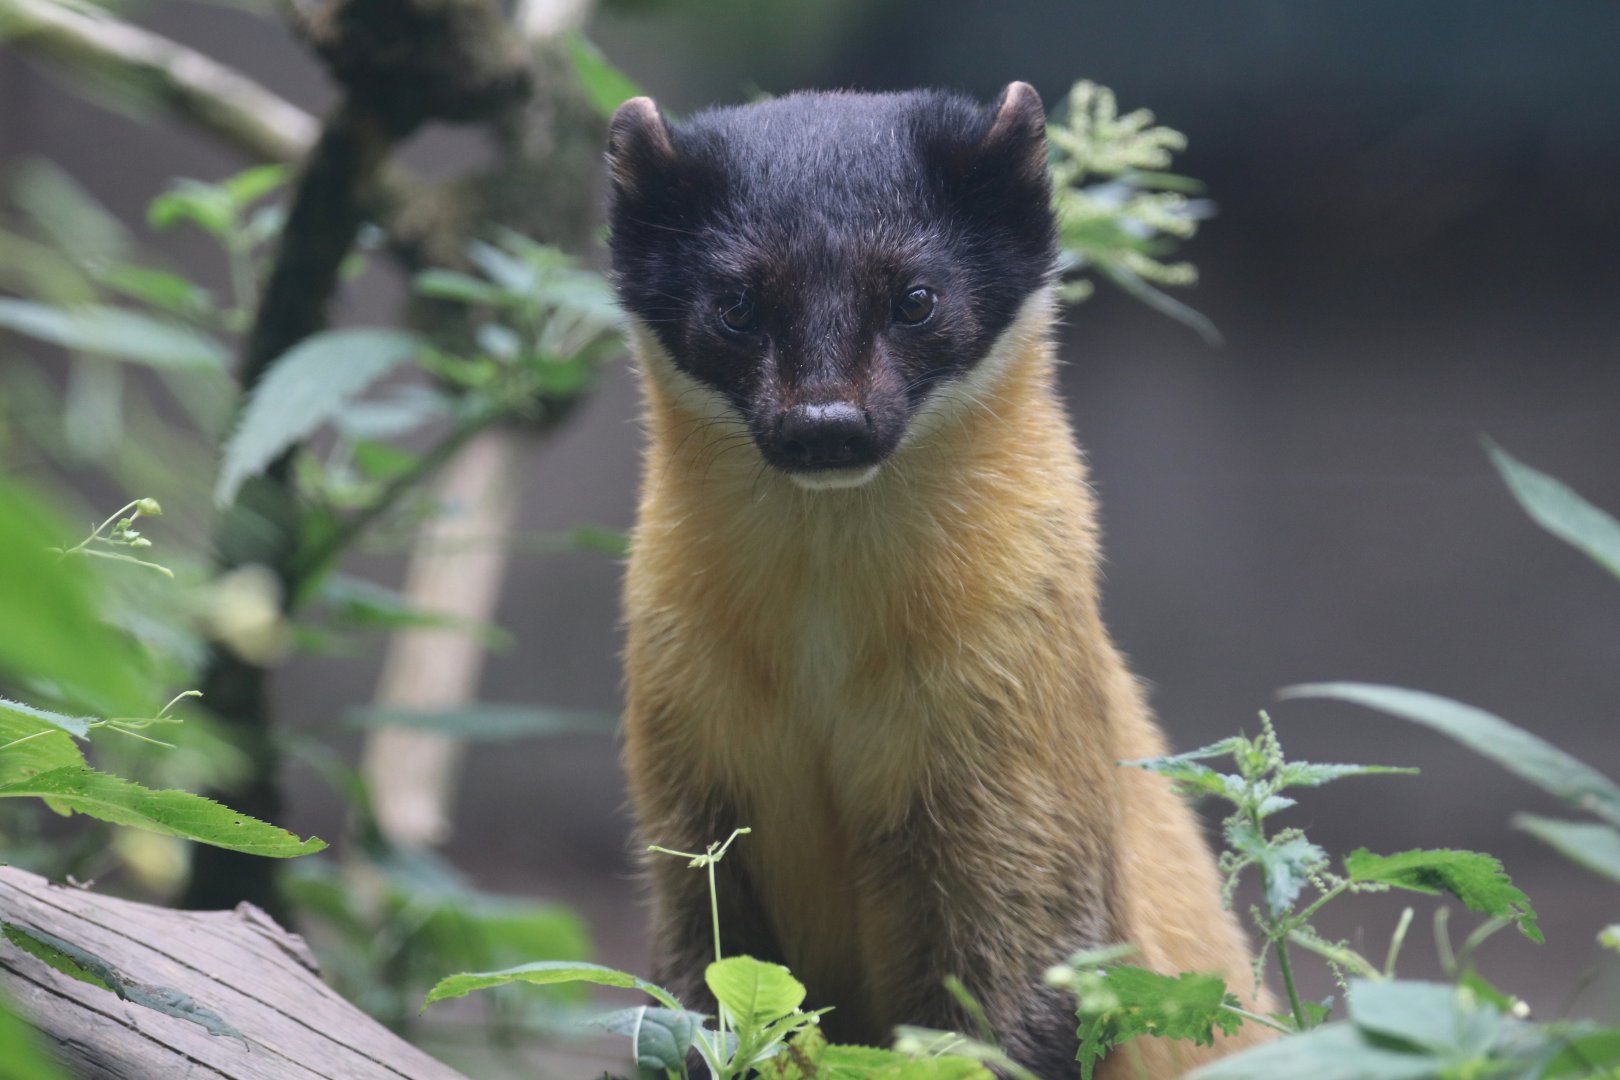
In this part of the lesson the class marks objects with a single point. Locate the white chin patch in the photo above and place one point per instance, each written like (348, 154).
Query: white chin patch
(833, 479)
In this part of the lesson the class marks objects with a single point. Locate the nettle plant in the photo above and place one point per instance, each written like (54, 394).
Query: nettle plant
(759, 1029)
(1392, 1029)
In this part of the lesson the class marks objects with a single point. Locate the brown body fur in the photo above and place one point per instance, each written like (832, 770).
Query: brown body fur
(907, 691)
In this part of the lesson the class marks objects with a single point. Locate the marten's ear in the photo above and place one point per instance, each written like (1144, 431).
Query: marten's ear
(639, 146)
(1017, 133)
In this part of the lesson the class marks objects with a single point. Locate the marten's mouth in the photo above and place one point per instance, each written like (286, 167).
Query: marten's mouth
(834, 479)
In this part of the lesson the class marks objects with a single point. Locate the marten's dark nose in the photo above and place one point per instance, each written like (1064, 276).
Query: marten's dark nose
(826, 435)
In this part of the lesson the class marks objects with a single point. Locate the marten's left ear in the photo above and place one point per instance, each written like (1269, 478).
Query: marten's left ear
(1017, 133)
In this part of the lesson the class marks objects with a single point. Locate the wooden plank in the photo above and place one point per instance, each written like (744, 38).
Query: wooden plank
(259, 978)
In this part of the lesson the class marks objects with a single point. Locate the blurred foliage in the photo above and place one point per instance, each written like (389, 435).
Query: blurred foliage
(1120, 212)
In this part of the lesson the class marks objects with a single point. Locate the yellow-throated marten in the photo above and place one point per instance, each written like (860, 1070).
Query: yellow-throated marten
(862, 599)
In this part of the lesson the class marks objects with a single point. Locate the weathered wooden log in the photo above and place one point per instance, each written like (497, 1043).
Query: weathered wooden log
(241, 966)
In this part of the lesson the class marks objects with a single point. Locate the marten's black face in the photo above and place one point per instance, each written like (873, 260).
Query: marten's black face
(824, 263)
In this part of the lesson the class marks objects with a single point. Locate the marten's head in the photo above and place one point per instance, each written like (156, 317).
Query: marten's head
(820, 267)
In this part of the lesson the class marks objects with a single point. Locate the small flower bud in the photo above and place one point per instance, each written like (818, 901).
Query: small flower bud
(149, 507)
(140, 542)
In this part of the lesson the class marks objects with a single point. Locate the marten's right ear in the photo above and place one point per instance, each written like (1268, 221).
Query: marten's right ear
(639, 146)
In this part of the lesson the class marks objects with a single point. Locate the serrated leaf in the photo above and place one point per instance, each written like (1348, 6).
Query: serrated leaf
(840, 1062)
(605, 85)
(660, 1037)
(173, 813)
(305, 387)
(753, 992)
(487, 721)
(115, 333)
(1287, 864)
(1330, 1052)
(1556, 507)
(1190, 777)
(1309, 774)
(1588, 844)
(77, 726)
(546, 973)
(1521, 753)
(1126, 1002)
(1475, 879)
(81, 964)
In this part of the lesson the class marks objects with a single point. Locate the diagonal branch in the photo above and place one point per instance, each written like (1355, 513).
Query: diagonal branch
(226, 104)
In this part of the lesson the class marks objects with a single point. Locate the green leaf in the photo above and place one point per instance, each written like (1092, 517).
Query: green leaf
(20, 1055)
(450, 285)
(380, 461)
(1123, 1002)
(1190, 777)
(355, 603)
(841, 1062)
(1330, 1052)
(50, 630)
(1556, 507)
(1485, 990)
(1286, 863)
(752, 991)
(77, 726)
(1307, 774)
(208, 206)
(661, 1037)
(935, 1068)
(75, 221)
(172, 813)
(159, 288)
(605, 85)
(804, 1058)
(1594, 846)
(1431, 1017)
(1592, 1055)
(87, 967)
(546, 973)
(487, 721)
(116, 333)
(1475, 879)
(1610, 937)
(1521, 753)
(306, 386)
(33, 746)
(255, 183)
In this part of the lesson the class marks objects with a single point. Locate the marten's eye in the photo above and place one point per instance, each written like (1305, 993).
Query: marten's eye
(739, 313)
(914, 306)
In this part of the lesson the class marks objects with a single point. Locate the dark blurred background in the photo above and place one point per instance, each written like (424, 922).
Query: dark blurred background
(1416, 246)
